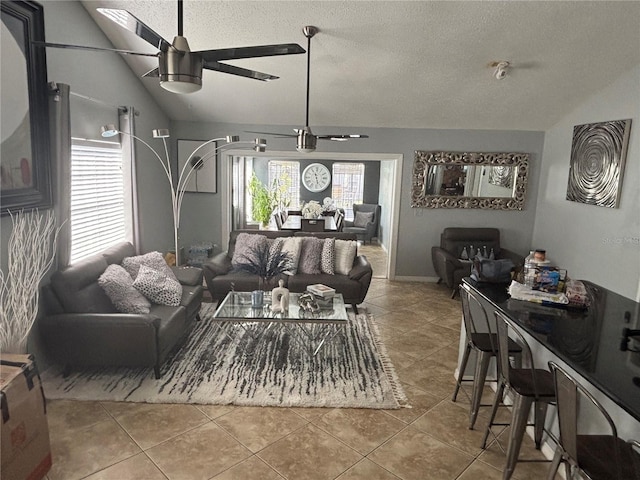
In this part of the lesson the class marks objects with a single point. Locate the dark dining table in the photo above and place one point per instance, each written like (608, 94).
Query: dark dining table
(588, 340)
(294, 222)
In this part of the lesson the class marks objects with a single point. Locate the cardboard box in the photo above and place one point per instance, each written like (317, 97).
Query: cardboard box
(25, 450)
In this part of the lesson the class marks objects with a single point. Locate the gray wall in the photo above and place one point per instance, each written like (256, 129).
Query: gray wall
(106, 77)
(594, 243)
(419, 228)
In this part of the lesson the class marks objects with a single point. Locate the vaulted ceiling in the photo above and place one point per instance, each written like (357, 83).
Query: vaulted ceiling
(417, 64)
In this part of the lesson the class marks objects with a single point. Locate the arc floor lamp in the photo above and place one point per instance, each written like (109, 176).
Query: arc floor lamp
(178, 185)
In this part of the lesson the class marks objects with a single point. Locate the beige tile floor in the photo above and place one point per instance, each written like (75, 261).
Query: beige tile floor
(420, 326)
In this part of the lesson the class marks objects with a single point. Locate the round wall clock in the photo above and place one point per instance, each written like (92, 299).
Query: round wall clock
(316, 177)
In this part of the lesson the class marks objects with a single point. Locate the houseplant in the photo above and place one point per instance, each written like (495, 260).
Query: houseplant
(266, 264)
(262, 201)
(31, 250)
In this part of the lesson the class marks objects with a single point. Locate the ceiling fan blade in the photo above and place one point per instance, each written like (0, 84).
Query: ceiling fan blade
(251, 52)
(273, 134)
(131, 23)
(155, 72)
(242, 72)
(99, 49)
(340, 138)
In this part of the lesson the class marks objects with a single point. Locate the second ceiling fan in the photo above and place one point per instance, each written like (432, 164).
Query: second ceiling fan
(306, 140)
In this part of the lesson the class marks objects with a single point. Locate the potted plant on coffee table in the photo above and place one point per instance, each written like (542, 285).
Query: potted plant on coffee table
(264, 263)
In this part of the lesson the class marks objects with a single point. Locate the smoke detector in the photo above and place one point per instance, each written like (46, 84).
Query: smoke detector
(501, 69)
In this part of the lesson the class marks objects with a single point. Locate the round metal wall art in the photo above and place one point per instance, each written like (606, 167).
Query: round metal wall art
(598, 154)
(505, 160)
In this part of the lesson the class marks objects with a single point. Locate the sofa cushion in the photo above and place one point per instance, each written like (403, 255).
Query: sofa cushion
(77, 287)
(310, 255)
(118, 252)
(362, 218)
(246, 248)
(292, 246)
(158, 287)
(345, 251)
(118, 285)
(328, 256)
(153, 260)
(349, 288)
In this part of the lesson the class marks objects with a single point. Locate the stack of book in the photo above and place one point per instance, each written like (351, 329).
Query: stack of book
(322, 291)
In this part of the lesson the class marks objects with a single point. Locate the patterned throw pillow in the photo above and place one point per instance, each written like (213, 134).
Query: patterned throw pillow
(118, 285)
(158, 287)
(328, 256)
(362, 218)
(345, 254)
(153, 260)
(247, 244)
(292, 247)
(310, 255)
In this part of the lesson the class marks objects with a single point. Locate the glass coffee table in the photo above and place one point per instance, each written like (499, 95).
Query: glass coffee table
(310, 329)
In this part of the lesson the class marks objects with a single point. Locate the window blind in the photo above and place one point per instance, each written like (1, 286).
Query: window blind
(286, 173)
(97, 197)
(347, 186)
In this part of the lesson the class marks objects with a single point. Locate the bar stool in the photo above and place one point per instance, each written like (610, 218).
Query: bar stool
(484, 343)
(529, 386)
(594, 456)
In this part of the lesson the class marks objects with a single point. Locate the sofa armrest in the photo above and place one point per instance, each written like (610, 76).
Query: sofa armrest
(188, 275)
(220, 264)
(361, 268)
(102, 338)
(445, 263)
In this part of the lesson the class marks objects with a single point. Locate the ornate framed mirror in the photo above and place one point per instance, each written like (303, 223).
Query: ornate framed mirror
(493, 181)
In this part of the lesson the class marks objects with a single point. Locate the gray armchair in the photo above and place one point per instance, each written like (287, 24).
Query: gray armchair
(364, 230)
(446, 258)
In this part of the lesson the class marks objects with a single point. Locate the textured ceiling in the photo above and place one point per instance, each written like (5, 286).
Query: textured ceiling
(393, 64)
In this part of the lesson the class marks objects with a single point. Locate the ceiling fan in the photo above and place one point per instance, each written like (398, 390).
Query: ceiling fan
(180, 69)
(306, 140)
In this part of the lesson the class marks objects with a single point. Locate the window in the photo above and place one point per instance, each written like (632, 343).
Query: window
(97, 197)
(286, 176)
(348, 186)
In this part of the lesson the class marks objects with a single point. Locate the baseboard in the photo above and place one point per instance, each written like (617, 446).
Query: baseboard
(416, 279)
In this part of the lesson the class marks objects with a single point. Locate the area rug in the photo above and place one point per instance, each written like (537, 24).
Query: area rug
(241, 368)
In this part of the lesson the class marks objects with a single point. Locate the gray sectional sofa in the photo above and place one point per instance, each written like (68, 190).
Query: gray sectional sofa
(83, 328)
(220, 276)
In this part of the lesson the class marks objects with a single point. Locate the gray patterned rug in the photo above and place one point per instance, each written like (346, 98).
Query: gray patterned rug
(273, 369)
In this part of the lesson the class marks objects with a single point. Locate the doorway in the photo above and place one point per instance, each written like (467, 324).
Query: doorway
(388, 197)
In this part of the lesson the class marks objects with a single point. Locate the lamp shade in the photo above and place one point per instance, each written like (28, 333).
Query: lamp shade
(109, 130)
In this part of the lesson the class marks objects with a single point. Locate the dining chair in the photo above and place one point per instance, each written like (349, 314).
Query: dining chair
(312, 225)
(596, 456)
(529, 386)
(482, 340)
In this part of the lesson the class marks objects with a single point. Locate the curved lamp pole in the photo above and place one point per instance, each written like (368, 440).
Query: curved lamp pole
(178, 188)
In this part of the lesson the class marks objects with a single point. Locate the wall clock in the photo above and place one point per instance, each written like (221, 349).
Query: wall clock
(316, 177)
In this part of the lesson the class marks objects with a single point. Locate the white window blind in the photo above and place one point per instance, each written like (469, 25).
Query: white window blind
(286, 173)
(97, 197)
(347, 186)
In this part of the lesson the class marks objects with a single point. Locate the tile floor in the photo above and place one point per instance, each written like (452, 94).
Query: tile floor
(420, 326)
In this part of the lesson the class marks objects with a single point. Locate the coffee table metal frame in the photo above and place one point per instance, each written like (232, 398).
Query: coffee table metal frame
(308, 329)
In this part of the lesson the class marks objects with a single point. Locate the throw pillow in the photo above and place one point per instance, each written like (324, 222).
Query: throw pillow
(158, 287)
(345, 254)
(292, 246)
(118, 285)
(310, 255)
(247, 244)
(328, 256)
(153, 260)
(362, 218)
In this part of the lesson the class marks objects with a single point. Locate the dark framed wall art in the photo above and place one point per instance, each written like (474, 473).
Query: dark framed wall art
(25, 157)
(598, 155)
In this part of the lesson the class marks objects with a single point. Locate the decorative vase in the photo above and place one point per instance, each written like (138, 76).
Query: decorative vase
(280, 298)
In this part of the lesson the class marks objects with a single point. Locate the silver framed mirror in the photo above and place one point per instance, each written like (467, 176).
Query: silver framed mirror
(486, 180)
